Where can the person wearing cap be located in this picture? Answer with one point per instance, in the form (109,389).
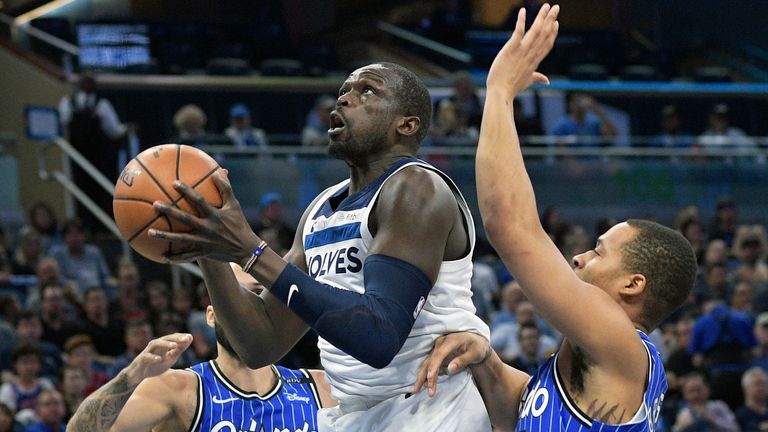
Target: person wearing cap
(721,344)
(315,132)
(241,132)
(272,224)
(720,134)
(79,351)
(671,135)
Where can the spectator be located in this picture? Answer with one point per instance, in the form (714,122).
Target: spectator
(50,410)
(677,365)
(715,284)
(159,300)
(129,303)
(721,343)
(505,337)
(272,226)
(760,352)
(529,358)
(74,381)
(29,328)
(100,325)
(315,132)
(753,415)
(42,220)
(79,261)
(699,413)
(28,253)
(525,126)
(585,124)
(724,224)
(719,134)
(466,100)
(485,287)
(7,422)
(671,135)
(48,273)
(190,122)
(94,129)
(451,125)
(511,296)
(22,392)
(57,327)
(741,300)
(750,248)
(240,130)
(138,333)
(79,352)
(692,230)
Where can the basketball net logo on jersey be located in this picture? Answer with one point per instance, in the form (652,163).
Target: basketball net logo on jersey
(227,426)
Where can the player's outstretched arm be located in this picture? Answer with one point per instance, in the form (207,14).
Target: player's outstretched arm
(136,399)
(508,206)
(501,386)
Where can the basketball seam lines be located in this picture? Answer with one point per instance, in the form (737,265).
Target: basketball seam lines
(119,198)
(178,158)
(152,176)
(173,202)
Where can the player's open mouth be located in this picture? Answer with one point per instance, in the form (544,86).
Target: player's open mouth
(337,124)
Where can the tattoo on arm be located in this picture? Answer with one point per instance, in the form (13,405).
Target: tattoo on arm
(100,410)
(605,414)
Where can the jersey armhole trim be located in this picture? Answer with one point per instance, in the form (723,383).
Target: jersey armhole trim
(313,386)
(582,417)
(200,403)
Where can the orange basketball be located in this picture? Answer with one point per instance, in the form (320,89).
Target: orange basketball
(148,178)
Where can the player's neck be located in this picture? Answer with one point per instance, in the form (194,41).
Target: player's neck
(260,380)
(362,174)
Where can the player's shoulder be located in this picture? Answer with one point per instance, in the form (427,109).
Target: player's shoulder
(417,181)
(173,382)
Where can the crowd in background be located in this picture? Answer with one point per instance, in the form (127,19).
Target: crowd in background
(59,335)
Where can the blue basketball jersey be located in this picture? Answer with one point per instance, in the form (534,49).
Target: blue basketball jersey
(546,405)
(291,405)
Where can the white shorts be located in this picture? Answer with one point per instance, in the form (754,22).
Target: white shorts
(457,406)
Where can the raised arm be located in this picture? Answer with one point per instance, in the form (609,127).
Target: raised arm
(136,399)
(508,206)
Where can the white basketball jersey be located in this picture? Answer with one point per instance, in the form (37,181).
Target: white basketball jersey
(336,243)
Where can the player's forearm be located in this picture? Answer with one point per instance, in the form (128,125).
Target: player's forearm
(242,314)
(500,387)
(505,193)
(99,411)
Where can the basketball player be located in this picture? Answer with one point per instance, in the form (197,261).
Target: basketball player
(380,266)
(219,395)
(607,375)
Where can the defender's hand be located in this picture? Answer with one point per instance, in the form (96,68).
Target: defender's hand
(221,234)
(514,68)
(453,352)
(159,355)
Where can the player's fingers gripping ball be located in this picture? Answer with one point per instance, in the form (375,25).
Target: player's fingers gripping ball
(148,178)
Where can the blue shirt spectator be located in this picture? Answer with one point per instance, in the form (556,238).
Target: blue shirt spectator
(80,262)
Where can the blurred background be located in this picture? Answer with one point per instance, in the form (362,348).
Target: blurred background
(657,109)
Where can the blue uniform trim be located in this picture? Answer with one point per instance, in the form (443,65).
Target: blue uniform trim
(332,235)
(362,197)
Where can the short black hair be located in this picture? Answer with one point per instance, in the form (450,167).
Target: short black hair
(413,98)
(26,348)
(667,261)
